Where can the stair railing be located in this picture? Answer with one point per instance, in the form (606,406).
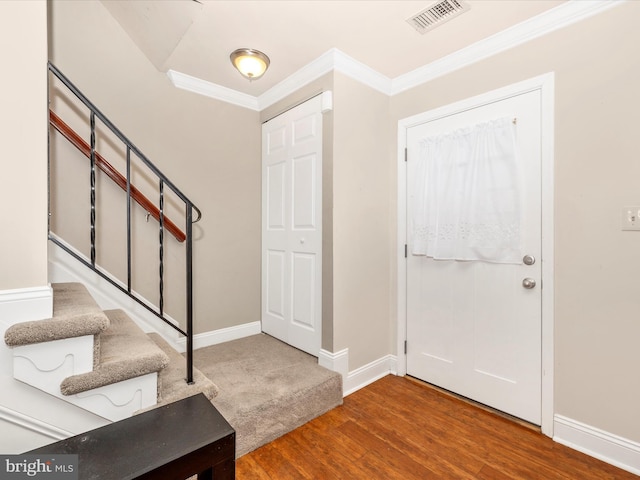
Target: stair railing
(96,160)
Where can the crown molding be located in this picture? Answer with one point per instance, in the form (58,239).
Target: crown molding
(555,19)
(559,17)
(331,60)
(307,74)
(350,67)
(208,89)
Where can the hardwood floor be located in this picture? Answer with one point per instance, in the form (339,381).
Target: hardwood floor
(398,429)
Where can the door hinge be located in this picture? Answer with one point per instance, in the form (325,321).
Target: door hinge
(405,154)
(405,250)
(405,347)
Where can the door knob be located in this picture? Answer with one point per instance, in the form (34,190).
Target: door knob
(528,283)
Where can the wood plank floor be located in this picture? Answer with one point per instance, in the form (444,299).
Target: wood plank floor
(398,429)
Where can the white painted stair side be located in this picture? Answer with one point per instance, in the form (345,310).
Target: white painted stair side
(46,365)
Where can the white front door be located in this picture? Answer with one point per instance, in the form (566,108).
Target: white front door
(472,327)
(292,226)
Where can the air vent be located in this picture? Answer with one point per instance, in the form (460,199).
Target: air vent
(437,14)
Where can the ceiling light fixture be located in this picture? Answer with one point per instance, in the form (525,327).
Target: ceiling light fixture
(249,62)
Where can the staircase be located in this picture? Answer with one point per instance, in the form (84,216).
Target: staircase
(81,320)
(100,361)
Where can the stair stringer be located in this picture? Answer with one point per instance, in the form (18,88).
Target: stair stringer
(29,417)
(64,268)
(45,365)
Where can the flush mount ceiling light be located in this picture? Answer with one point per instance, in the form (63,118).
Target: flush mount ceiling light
(249,62)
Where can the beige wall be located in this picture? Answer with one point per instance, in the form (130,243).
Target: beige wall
(209,149)
(23,141)
(597,167)
(356,239)
(361,235)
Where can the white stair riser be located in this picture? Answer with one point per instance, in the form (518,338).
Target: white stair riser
(119,400)
(46,365)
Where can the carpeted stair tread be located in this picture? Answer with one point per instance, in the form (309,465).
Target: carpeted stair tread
(267,388)
(75,314)
(171,380)
(126,352)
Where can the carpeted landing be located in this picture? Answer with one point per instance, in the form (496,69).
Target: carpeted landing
(266,387)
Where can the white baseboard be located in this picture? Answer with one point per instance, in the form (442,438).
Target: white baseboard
(367,374)
(64,268)
(335,361)
(25,304)
(605,446)
(222,335)
(360,377)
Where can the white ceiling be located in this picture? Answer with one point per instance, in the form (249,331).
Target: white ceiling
(196,38)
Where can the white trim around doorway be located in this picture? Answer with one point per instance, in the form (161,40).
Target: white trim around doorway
(544,83)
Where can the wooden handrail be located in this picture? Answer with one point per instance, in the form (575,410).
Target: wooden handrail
(68,133)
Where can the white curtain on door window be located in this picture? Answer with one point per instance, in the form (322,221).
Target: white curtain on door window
(467,202)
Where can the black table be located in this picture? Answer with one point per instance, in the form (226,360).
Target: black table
(175,441)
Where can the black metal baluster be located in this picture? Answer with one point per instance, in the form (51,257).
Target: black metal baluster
(129,219)
(48,157)
(161,234)
(93,189)
(94,112)
(189,281)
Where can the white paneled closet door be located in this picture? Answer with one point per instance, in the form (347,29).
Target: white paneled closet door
(292,226)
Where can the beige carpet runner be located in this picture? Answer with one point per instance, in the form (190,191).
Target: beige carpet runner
(263,387)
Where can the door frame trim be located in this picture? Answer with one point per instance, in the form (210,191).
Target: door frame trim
(546,85)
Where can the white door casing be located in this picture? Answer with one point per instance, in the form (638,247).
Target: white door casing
(292,226)
(542,88)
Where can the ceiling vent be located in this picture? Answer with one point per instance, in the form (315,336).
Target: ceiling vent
(437,14)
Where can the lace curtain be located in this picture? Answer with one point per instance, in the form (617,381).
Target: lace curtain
(466,203)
